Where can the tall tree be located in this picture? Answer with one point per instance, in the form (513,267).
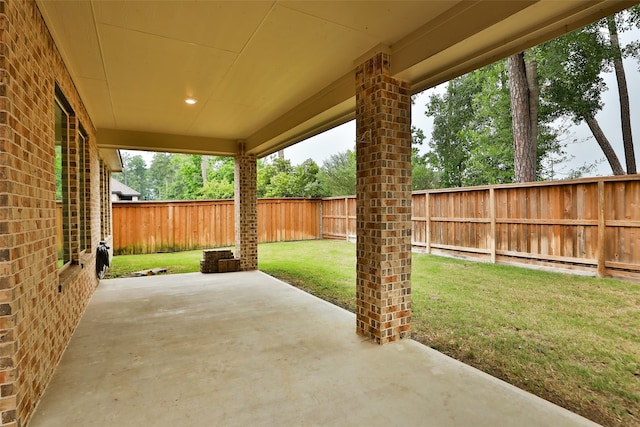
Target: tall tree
(491,158)
(573,67)
(531,68)
(161,174)
(450,143)
(204,162)
(623,95)
(338,173)
(521,114)
(472,137)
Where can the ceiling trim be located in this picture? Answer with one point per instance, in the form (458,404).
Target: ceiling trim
(469,19)
(338,97)
(529,36)
(159,142)
(330,119)
(111,157)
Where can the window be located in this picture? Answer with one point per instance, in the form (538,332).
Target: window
(84,187)
(62,183)
(73,202)
(105,202)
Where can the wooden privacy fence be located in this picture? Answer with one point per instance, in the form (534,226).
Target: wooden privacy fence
(148,227)
(590,225)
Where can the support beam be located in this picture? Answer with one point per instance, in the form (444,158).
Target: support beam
(117,139)
(383,153)
(246,211)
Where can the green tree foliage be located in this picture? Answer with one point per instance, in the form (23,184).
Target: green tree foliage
(338,174)
(450,144)
(180,177)
(134,174)
(423,176)
(187,183)
(470,143)
(307,182)
(279,178)
(267,181)
(220,178)
(472,138)
(570,69)
(161,174)
(632,20)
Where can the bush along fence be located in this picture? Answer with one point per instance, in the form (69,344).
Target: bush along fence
(589,225)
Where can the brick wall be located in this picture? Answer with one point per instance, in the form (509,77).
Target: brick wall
(246,210)
(40,304)
(383,207)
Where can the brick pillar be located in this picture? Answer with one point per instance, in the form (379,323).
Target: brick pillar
(383,153)
(246,216)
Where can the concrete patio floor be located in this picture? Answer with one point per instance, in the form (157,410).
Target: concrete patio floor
(245,349)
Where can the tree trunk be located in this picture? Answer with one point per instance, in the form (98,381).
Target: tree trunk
(524,148)
(203,168)
(603,142)
(531,68)
(623,93)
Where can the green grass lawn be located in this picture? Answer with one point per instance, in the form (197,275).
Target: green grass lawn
(573,340)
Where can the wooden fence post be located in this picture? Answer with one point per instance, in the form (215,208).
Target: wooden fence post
(492,217)
(346,218)
(321,220)
(427,209)
(602,258)
(171,238)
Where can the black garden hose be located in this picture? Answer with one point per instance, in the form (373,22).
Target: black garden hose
(102,259)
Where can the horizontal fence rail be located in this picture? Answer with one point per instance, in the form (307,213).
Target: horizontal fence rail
(588,225)
(148,227)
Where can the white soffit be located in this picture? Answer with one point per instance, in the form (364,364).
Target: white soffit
(274,73)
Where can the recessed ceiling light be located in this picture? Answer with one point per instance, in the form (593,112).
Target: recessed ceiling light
(190,101)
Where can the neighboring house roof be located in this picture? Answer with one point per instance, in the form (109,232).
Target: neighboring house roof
(122,190)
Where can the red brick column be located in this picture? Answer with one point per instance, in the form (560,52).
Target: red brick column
(246,210)
(383,152)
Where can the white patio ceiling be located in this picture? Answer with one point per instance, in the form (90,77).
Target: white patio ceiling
(272,73)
